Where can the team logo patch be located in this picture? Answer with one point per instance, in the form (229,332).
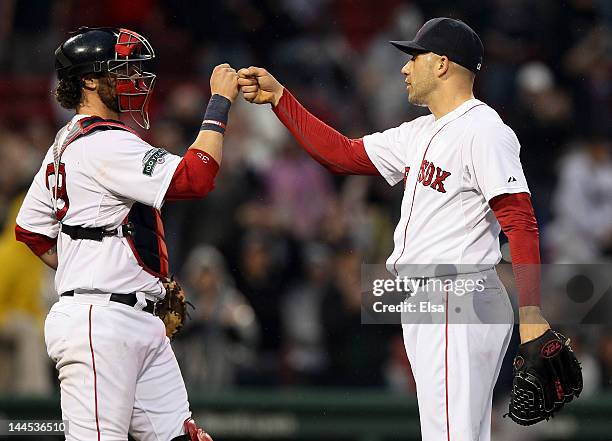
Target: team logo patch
(151,159)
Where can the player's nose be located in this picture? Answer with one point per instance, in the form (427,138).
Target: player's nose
(406,69)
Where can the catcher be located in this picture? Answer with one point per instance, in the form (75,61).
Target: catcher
(92,213)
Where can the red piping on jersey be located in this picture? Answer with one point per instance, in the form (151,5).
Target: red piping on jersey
(95,378)
(417,183)
(446,365)
(161,245)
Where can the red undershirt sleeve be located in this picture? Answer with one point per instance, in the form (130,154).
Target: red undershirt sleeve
(38,243)
(516,217)
(327,146)
(194,176)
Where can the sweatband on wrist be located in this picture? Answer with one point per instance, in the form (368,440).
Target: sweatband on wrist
(216,114)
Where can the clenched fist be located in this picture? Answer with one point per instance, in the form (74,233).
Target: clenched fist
(224,81)
(259,86)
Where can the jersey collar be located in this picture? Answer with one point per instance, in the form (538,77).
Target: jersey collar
(77,117)
(460,110)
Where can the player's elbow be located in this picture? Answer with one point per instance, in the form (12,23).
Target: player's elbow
(201,187)
(194,177)
(39,244)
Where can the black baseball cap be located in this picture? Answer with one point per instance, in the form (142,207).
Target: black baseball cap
(447,36)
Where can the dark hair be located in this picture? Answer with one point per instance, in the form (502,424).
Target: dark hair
(69,92)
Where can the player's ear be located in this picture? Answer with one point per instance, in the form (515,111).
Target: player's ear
(441,65)
(89,82)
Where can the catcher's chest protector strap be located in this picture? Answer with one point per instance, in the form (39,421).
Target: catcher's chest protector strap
(146,237)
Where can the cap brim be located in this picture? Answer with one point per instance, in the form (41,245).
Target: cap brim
(409,47)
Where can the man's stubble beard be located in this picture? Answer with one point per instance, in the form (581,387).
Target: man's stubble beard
(419,94)
(416,100)
(107,93)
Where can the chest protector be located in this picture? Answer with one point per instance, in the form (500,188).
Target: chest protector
(142,228)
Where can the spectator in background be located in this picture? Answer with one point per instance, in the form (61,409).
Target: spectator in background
(589,63)
(23,33)
(221,336)
(378,79)
(184,108)
(582,204)
(542,118)
(591,367)
(24,365)
(301,311)
(605,357)
(346,337)
(292,184)
(363,217)
(260,276)
(398,372)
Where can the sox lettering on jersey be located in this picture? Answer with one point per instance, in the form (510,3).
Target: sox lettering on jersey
(432,176)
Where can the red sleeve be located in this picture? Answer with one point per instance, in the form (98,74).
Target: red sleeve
(38,243)
(194,177)
(330,148)
(515,215)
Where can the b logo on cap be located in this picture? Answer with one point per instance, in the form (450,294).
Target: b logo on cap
(478,66)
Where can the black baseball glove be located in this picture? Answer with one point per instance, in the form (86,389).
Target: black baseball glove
(546,376)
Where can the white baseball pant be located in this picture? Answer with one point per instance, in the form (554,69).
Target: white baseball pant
(117,371)
(456,357)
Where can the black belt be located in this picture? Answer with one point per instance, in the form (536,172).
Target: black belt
(97,233)
(126,299)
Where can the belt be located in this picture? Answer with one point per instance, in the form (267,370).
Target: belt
(126,299)
(97,233)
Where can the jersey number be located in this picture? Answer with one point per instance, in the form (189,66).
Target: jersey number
(62,196)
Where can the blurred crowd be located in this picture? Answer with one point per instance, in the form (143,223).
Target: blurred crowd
(271,258)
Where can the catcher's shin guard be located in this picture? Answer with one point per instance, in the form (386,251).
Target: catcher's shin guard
(192,432)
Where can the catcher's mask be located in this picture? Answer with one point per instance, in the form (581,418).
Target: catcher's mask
(121,53)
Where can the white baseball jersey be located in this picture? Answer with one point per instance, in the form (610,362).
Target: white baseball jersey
(451,168)
(101,175)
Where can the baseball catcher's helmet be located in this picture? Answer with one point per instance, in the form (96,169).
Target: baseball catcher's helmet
(119,52)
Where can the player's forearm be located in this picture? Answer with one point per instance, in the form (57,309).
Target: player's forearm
(336,152)
(515,214)
(195,175)
(210,138)
(516,217)
(50,258)
(210,143)
(45,248)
